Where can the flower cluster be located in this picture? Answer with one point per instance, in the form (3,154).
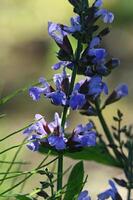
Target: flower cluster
(84,92)
(89,60)
(92,61)
(52,135)
(109,193)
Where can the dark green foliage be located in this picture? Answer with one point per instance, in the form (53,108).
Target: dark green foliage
(23,197)
(120,182)
(75,181)
(98,154)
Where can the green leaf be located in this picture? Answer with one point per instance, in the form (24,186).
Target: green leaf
(97,154)
(23,197)
(75,181)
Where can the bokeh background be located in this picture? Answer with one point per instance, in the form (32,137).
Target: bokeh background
(27,52)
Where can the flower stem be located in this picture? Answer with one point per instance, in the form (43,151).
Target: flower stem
(103,123)
(74,73)
(60,172)
(64,116)
(130,170)
(129,194)
(107,132)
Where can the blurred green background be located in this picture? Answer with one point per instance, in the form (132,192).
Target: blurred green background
(27,52)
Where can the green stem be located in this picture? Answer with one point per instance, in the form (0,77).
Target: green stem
(13,160)
(130,171)
(40,166)
(74,73)
(63,121)
(107,131)
(129,194)
(64,116)
(12,134)
(60,172)
(103,123)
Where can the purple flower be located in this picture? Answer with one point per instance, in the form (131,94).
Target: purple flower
(57,141)
(77,100)
(80,128)
(119,92)
(51,133)
(89,72)
(59,79)
(60,64)
(102,69)
(30,129)
(75,25)
(36,92)
(33,143)
(57,97)
(84,196)
(56,124)
(115,62)
(56,32)
(37,127)
(110,193)
(91,111)
(98,53)
(99,60)
(95,42)
(84,136)
(100,66)
(91,88)
(43,127)
(96,87)
(107,16)
(98,3)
